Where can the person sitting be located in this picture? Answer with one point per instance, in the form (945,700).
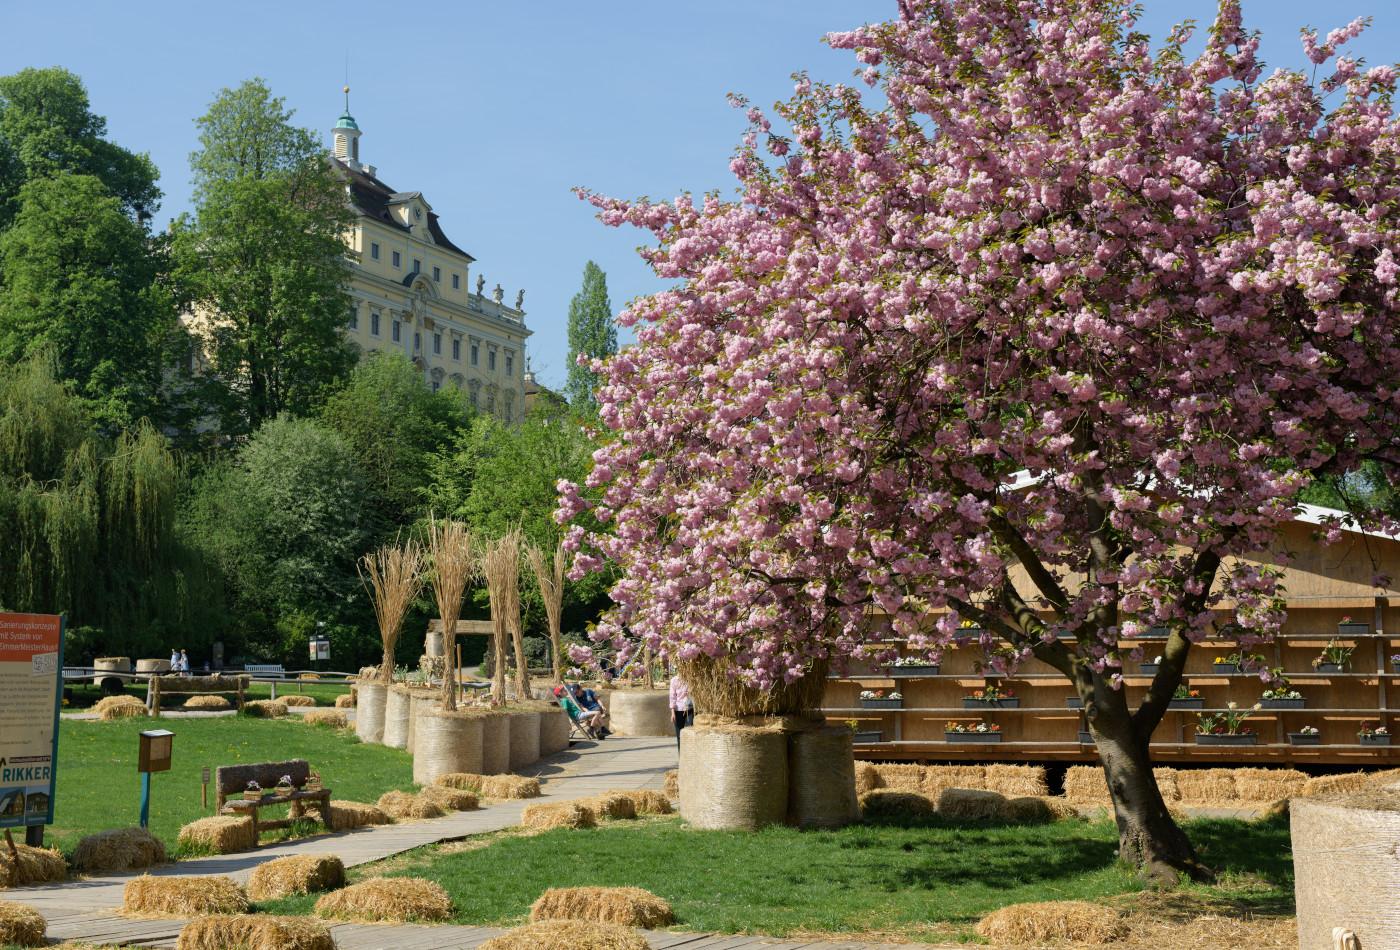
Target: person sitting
(588,700)
(591,721)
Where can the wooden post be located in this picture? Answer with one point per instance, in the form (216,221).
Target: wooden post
(153,692)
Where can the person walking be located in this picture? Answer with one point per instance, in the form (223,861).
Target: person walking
(682,709)
(174,660)
(184,663)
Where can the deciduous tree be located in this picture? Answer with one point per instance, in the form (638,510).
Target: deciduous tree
(592,336)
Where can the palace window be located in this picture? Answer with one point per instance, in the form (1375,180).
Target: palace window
(417,265)
(354,316)
(457,350)
(437,274)
(436,385)
(510,364)
(374,250)
(374,323)
(456,281)
(476,348)
(417,341)
(491,361)
(396,335)
(398,261)
(437,344)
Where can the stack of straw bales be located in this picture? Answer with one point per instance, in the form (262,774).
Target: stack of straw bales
(406,805)
(330,718)
(631,906)
(568,935)
(220,834)
(208,702)
(121,849)
(22,927)
(254,932)
(296,874)
(388,899)
(148,896)
(119,707)
(1079,923)
(35,866)
(266,708)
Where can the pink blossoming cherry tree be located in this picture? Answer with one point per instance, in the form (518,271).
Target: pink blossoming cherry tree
(1039,341)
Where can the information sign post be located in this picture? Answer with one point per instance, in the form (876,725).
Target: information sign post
(31,691)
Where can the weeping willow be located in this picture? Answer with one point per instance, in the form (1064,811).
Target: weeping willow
(89,522)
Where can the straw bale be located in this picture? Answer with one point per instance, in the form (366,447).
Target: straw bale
(1167,784)
(147,896)
(1016,781)
(889,804)
(124,706)
(735,778)
(509,786)
(208,702)
(568,935)
(296,874)
(345,815)
(1278,809)
(21,926)
(296,699)
(220,834)
(214,683)
(401,805)
(673,784)
(544,816)
(867,778)
(1323,786)
(1268,785)
(971,804)
(35,866)
(937,778)
(121,849)
(467,781)
(330,718)
(611,806)
(1085,784)
(450,799)
(393,899)
(345,701)
(646,801)
(266,708)
(631,906)
(309,677)
(1083,922)
(1206,785)
(900,778)
(254,932)
(1037,810)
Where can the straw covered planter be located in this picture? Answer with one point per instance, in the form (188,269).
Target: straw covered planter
(631,906)
(22,927)
(569,935)
(148,896)
(254,932)
(397,703)
(446,742)
(392,899)
(35,866)
(1344,866)
(639,712)
(369,710)
(524,738)
(821,778)
(736,773)
(554,731)
(420,701)
(121,849)
(296,874)
(495,741)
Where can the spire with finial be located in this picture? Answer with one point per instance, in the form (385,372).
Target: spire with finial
(347,135)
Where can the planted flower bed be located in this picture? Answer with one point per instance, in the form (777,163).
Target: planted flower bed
(1186,698)
(1308,735)
(978,732)
(1282,697)
(881,699)
(912,666)
(992,696)
(1373,735)
(1225,728)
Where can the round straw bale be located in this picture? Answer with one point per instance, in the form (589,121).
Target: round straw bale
(673,784)
(495,743)
(971,804)
(1344,866)
(735,778)
(645,801)
(821,778)
(1084,923)
(419,702)
(406,805)
(208,702)
(603,905)
(568,935)
(467,781)
(554,731)
(330,718)
(1015,781)
(219,834)
(296,874)
(265,709)
(345,815)
(509,786)
(611,806)
(369,711)
(886,805)
(393,899)
(451,799)
(867,778)
(147,896)
(396,708)
(1268,785)
(446,742)
(35,866)
(124,706)
(345,701)
(20,926)
(639,712)
(297,699)
(524,738)
(544,816)
(254,932)
(900,777)
(121,849)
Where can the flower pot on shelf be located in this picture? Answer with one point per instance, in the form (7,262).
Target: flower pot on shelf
(1394,667)
(1330,668)
(1283,703)
(881,703)
(972,736)
(1012,703)
(904,672)
(1148,668)
(1157,632)
(1187,704)
(1353,629)
(865,738)
(1374,740)
(1304,738)
(1086,738)
(1226,739)
(1074,702)
(1224,669)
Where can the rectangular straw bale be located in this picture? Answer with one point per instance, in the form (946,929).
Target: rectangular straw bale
(265,709)
(466,781)
(509,786)
(1206,785)
(1085,784)
(329,718)
(220,834)
(867,777)
(147,896)
(936,778)
(548,815)
(1167,784)
(120,849)
(1016,781)
(901,778)
(452,799)
(673,784)
(124,706)
(297,699)
(1268,785)
(345,701)
(254,932)
(611,806)
(345,815)
(1344,783)
(971,804)
(406,805)
(296,874)
(35,866)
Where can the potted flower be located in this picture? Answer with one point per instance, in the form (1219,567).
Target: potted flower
(969,628)
(1373,734)
(978,732)
(881,699)
(992,696)
(313,782)
(1350,628)
(1333,658)
(1224,664)
(1395,663)
(913,666)
(861,736)
(1186,698)
(1282,697)
(1150,668)
(1308,735)
(1225,728)
(285,786)
(252,792)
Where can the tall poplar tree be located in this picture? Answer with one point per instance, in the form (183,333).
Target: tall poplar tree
(261,262)
(591,333)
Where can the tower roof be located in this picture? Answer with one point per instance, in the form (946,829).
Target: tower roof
(346,121)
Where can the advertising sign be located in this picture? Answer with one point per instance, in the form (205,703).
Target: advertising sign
(31,689)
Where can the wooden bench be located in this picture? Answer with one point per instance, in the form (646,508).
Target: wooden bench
(176,685)
(232,780)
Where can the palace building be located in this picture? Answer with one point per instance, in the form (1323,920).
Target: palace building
(411,291)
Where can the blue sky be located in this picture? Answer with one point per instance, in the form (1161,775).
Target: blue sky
(495,110)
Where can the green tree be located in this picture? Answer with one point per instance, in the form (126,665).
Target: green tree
(47,128)
(80,281)
(591,333)
(261,263)
(284,519)
(395,423)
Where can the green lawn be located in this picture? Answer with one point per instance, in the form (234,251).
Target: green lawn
(99,787)
(930,881)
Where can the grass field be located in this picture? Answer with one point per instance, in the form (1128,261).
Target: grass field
(99,787)
(931,881)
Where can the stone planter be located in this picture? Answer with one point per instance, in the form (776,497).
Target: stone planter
(1304,738)
(821,778)
(554,732)
(983,737)
(396,710)
(524,739)
(867,737)
(1283,703)
(1149,668)
(639,712)
(1373,740)
(1074,702)
(1331,668)
(1226,739)
(882,704)
(446,742)
(1353,629)
(1187,704)
(370,699)
(908,672)
(1012,703)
